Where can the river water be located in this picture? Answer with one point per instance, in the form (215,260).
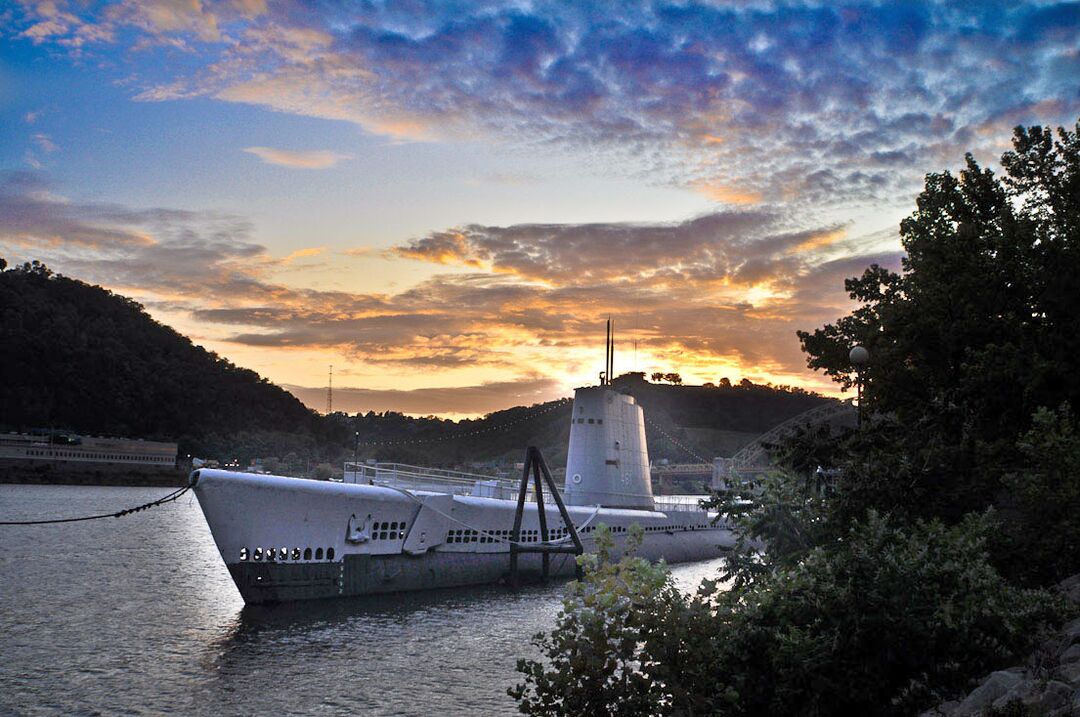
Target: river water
(138,615)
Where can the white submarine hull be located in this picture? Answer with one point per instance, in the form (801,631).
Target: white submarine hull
(289,539)
(295,539)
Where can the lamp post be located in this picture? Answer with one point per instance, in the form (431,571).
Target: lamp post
(355,448)
(859,357)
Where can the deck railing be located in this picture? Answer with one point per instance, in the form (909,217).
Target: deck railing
(438,480)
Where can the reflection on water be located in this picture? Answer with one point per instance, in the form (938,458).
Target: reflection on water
(138,614)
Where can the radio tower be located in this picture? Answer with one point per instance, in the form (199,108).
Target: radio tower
(330,392)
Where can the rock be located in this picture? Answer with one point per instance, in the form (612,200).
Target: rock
(1041,698)
(1070,672)
(1071,631)
(1070,586)
(997,685)
(1070,655)
(947,708)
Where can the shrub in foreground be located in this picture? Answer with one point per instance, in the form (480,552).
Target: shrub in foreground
(886,620)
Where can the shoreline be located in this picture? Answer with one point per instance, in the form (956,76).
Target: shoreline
(51,475)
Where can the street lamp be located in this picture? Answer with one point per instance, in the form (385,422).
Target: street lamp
(356,447)
(859,357)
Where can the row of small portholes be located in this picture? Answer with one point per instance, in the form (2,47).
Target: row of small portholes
(284,554)
(658,528)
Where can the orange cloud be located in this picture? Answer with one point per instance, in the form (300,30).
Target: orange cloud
(293,159)
(726,194)
(301,253)
(819,240)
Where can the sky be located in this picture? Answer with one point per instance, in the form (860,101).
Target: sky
(445,201)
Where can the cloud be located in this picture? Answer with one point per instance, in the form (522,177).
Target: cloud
(745,102)
(713,248)
(311,159)
(303,254)
(719,294)
(44,142)
(727,195)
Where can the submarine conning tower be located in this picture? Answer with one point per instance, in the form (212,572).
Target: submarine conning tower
(608,460)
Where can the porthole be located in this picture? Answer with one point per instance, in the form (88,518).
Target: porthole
(270,553)
(296,553)
(318,553)
(257,555)
(243,554)
(576,478)
(283,554)
(329,553)
(307,553)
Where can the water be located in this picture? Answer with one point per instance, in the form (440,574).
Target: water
(138,615)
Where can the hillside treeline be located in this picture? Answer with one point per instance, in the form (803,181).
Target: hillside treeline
(81,358)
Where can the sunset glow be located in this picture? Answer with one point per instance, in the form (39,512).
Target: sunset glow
(447,201)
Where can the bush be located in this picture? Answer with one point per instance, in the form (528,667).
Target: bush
(1043,501)
(887,620)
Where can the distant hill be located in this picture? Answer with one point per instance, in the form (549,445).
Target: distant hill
(79,357)
(684,424)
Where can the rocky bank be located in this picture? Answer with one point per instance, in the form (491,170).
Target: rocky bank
(1047,685)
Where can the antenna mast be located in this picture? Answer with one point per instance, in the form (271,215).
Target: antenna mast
(330,392)
(609,354)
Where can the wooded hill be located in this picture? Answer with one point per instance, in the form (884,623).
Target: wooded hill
(80,358)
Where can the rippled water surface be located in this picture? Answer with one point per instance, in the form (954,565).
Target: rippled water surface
(138,615)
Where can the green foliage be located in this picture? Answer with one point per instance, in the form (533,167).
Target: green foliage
(777,519)
(1044,500)
(975,335)
(885,621)
(595,652)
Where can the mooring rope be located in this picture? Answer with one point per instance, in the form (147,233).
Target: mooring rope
(126,511)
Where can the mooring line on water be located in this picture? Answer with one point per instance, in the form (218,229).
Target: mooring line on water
(126,511)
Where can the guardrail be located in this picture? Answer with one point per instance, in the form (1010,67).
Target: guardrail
(438,480)
(401,475)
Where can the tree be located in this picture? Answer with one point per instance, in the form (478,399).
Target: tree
(876,592)
(973,336)
(657,376)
